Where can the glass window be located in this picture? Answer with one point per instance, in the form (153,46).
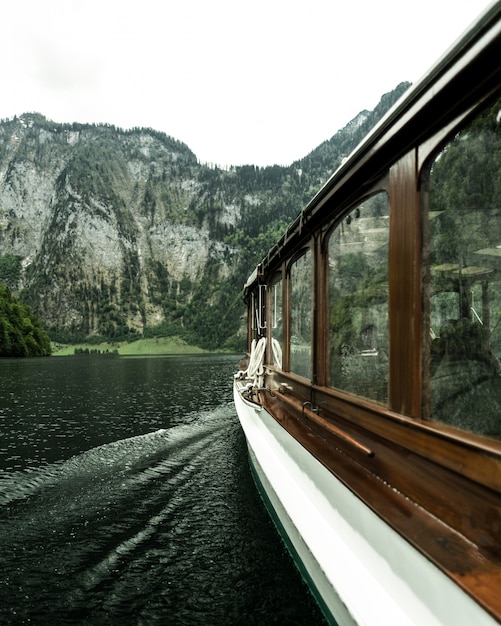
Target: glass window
(301,294)
(358,295)
(276,322)
(253,318)
(462,278)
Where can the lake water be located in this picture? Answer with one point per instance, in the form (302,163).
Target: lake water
(126,498)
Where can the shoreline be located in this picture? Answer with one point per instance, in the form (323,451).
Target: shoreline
(150,346)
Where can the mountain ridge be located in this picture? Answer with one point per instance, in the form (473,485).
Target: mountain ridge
(123,233)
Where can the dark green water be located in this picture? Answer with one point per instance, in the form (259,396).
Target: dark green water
(126,498)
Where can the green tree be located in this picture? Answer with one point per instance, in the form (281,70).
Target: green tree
(10,269)
(20,331)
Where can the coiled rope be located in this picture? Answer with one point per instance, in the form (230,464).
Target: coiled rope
(255,369)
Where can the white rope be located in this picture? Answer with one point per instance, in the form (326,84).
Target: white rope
(255,369)
(277,352)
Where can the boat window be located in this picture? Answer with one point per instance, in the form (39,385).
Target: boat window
(461,195)
(301,281)
(276,322)
(358,297)
(252,318)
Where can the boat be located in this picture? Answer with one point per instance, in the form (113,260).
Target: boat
(370,395)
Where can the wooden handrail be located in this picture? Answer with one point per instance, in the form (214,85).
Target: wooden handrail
(325,424)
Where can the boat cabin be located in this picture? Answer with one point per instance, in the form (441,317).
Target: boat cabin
(378,316)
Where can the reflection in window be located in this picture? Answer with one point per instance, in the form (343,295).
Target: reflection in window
(301,279)
(462,288)
(358,292)
(276,322)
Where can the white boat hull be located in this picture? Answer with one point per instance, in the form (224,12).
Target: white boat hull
(358,567)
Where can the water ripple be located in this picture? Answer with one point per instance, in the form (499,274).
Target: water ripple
(163,527)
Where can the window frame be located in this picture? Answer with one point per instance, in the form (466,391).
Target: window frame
(427,153)
(278,276)
(306,248)
(380,188)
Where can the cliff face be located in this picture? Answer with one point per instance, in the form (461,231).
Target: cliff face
(107,224)
(118,233)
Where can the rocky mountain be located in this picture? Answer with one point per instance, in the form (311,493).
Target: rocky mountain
(119,234)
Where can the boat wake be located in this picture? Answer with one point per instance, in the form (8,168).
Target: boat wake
(115,529)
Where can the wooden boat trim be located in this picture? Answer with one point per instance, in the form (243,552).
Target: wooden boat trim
(369,469)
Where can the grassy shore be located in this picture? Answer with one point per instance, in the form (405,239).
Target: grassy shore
(159,345)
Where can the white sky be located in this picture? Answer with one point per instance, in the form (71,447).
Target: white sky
(239,82)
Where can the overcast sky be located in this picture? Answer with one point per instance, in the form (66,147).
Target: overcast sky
(239,82)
